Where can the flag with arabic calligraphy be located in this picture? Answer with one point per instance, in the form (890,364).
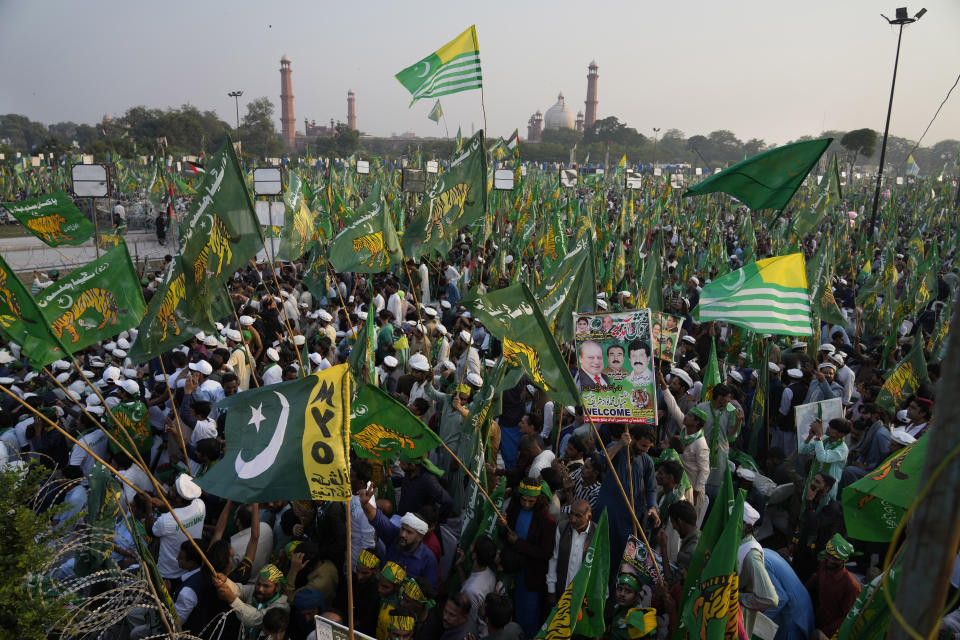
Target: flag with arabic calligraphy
(53,218)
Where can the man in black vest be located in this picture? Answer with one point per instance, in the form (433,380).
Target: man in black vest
(573,540)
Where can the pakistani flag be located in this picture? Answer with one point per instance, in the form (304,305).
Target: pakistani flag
(52,218)
(905,378)
(381,427)
(513,315)
(94,302)
(452,68)
(579,609)
(457,199)
(286,442)
(369,242)
(767,180)
(767,296)
(436,113)
(21,321)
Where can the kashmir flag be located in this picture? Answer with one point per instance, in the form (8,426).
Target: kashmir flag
(298,229)
(452,68)
(287,441)
(826,198)
(513,316)
(712,609)
(579,609)
(905,379)
(457,199)
(94,302)
(52,218)
(21,321)
(767,296)
(381,427)
(436,113)
(913,169)
(767,180)
(369,243)
(170,319)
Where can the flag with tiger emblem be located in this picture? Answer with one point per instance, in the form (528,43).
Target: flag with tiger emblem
(94,302)
(219,234)
(571,288)
(369,242)
(53,218)
(513,316)
(21,321)
(298,229)
(382,428)
(457,199)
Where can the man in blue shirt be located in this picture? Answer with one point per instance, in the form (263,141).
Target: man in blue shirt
(403,542)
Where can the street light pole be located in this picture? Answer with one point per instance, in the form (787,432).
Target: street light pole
(236,101)
(656,131)
(902,18)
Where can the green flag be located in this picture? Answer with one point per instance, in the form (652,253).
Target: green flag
(298,231)
(827,197)
(579,609)
(286,442)
(650,295)
(53,218)
(436,113)
(711,375)
(822,303)
(905,378)
(369,243)
(136,423)
(869,617)
(513,315)
(21,321)
(364,347)
(381,427)
(457,199)
(452,68)
(767,180)
(103,507)
(552,245)
(94,302)
(711,611)
(569,289)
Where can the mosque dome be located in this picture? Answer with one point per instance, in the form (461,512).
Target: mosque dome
(558,116)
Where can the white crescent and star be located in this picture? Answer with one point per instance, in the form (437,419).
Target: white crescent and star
(737,284)
(426,71)
(247,469)
(68,297)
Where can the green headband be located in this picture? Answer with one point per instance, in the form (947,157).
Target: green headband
(393,572)
(413,590)
(530,490)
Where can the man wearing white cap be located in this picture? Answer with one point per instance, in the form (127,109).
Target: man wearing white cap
(785,435)
(190,510)
(240,359)
(272,372)
(468,357)
(326,326)
(252,335)
(440,349)
(823,387)
(757,592)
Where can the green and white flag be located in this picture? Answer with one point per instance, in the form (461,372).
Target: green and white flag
(452,68)
(94,302)
(436,113)
(767,296)
(369,242)
(381,427)
(52,218)
(21,321)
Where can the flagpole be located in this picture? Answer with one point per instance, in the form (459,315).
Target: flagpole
(176,414)
(283,308)
(474,478)
(345,394)
(483,107)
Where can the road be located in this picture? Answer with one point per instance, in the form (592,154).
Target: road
(26,254)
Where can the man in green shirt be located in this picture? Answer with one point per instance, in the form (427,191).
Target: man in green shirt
(830,454)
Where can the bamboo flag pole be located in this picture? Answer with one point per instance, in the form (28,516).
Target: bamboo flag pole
(472,477)
(176,414)
(282,309)
(345,394)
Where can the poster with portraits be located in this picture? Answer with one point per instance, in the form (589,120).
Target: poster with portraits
(615,366)
(664,335)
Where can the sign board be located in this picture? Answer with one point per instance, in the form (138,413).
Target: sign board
(414,180)
(634,180)
(330,630)
(676,180)
(267,181)
(90,180)
(805,414)
(363,167)
(523,170)
(568,178)
(699,171)
(717,170)
(616,367)
(269,214)
(433,166)
(503,180)
(657,171)
(899,179)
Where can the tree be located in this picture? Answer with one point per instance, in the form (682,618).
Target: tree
(860,141)
(21,133)
(611,131)
(564,137)
(347,140)
(257,131)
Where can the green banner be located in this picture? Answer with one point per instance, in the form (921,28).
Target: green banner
(381,428)
(52,218)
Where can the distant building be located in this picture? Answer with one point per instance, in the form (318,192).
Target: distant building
(287,120)
(593,77)
(535,127)
(558,116)
(351,110)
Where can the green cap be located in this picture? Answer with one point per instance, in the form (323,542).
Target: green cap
(839,548)
(700,413)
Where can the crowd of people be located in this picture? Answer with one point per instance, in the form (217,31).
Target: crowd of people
(267,569)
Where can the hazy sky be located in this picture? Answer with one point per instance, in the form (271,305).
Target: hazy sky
(768,69)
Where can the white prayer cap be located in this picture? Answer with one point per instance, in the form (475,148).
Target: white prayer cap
(6,356)
(130,373)
(474,380)
(736,376)
(742,354)
(689,339)
(531,389)
(489,363)
(93,400)
(273,354)
(211,341)
(246,321)
(111,374)
(187,488)
(750,515)
(694,280)
(902,416)
(442,330)
(430,312)
(299,340)
(123,344)
(900,436)
(448,365)
(61,365)
(233,334)
(63,377)
(315,358)
(119,353)
(324,315)
(362,315)
(693,365)
(130,387)
(390,361)
(829,348)
(774,367)
(219,326)
(465,336)
(203,367)
(7,380)
(828,365)
(683,375)
(74,395)
(445,304)
(601,304)
(159,377)
(508,260)
(746,474)
(419,362)
(795,373)
(110,346)
(411,520)
(96,410)
(799,344)
(570,409)
(601,295)
(201,336)
(467,315)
